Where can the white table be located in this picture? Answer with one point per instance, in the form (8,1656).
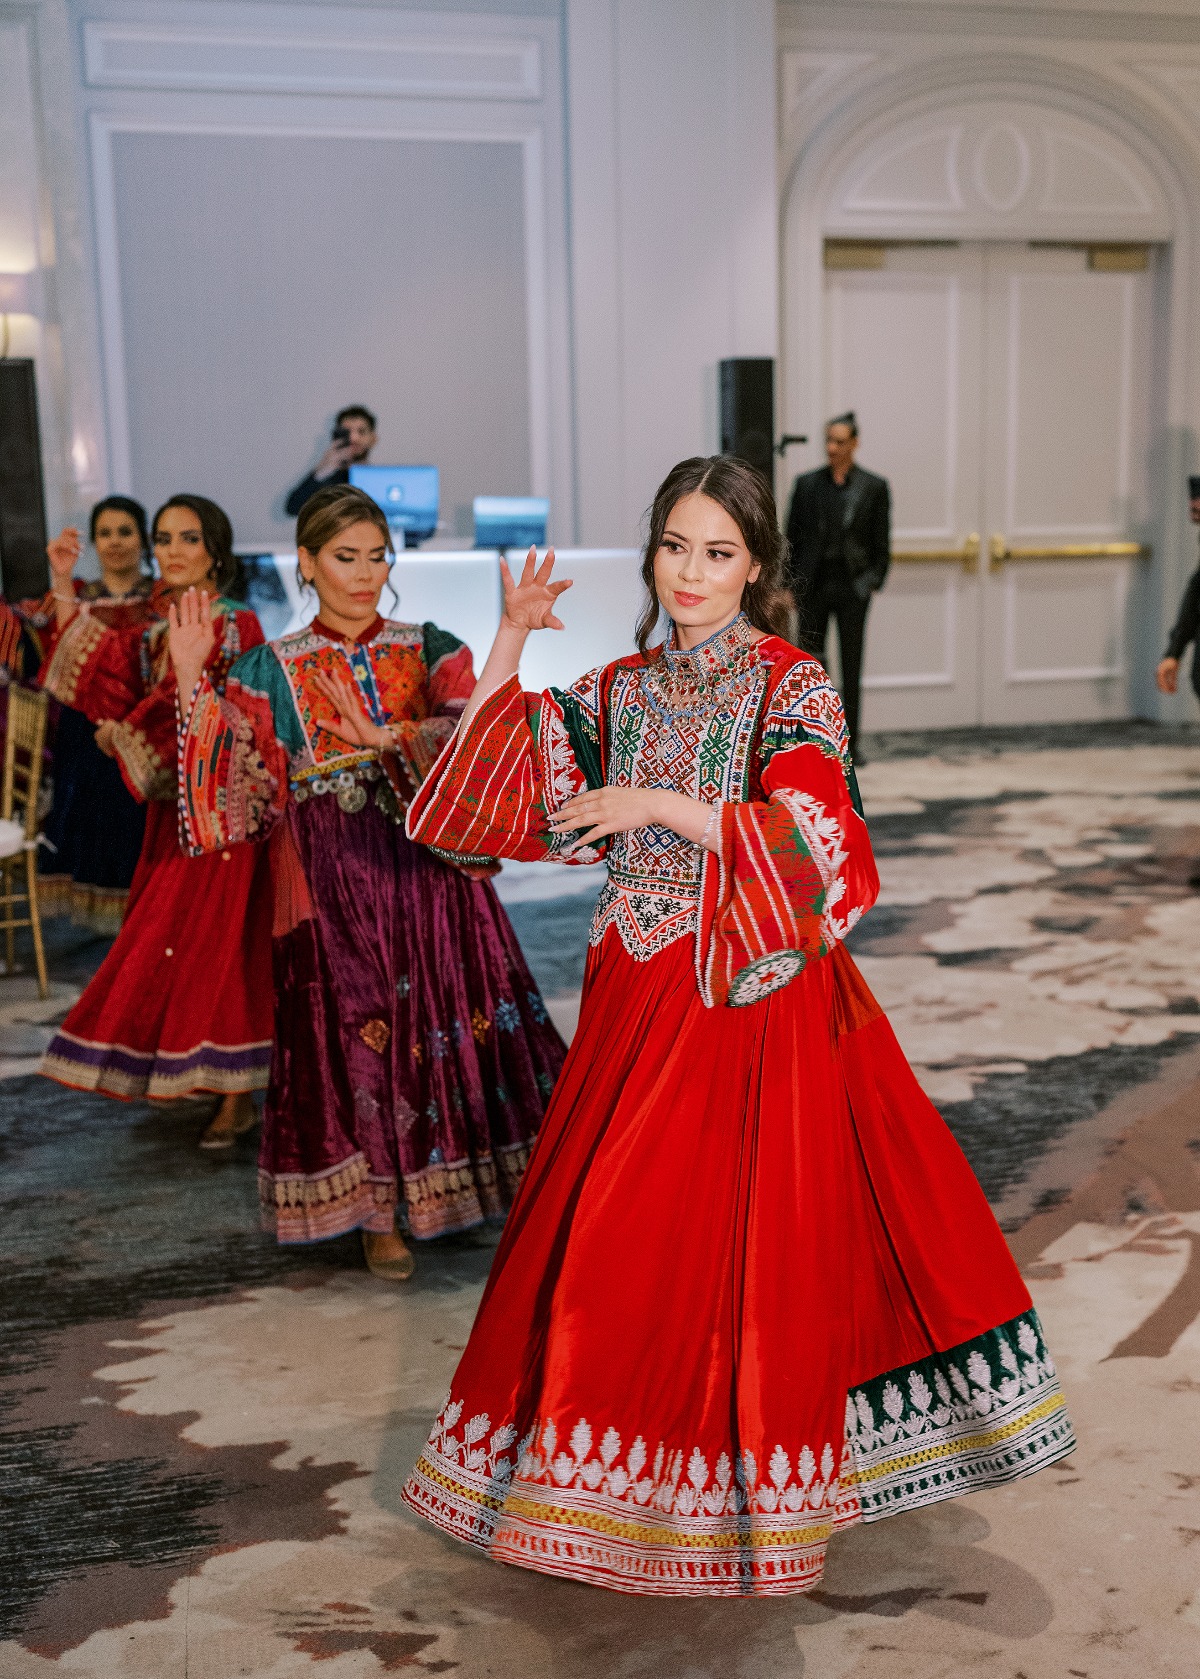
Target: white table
(460,591)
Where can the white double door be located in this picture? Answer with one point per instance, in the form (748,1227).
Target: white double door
(1004,392)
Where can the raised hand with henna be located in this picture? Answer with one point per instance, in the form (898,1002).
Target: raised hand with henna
(190,639)
(351,725)
(63,554)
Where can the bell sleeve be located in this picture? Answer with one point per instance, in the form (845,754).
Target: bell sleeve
(94,667)
(419,741)
(145,742)
(233,765)
(795,871)
(496,784)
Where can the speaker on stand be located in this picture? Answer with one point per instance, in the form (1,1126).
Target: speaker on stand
(23,567)
(748,411)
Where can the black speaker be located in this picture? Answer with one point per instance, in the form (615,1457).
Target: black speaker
(748,411)
(23,567)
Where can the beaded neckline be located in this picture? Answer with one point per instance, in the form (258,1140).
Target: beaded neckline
(687,683)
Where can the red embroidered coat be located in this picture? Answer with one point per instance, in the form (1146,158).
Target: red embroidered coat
(122,672)
(753,726)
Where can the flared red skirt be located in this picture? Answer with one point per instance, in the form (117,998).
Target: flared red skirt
(750,1290)
(181,1005)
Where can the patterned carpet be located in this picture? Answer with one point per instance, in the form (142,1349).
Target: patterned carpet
(202,1439)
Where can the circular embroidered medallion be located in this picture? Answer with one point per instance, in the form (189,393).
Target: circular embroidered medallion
(764,975)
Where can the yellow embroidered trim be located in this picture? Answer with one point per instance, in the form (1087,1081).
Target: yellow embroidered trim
(675,1538)
(967,1443)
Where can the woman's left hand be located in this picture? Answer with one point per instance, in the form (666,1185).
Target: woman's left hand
(351,725)
(104,737)
(609,810)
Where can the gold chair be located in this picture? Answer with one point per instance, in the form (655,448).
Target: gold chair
(24,749)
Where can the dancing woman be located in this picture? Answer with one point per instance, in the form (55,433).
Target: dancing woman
(750,1290)
(181,1006)
(413,1053)
(95,825)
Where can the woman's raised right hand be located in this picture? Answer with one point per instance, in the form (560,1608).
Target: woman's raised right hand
(190,639)
(529,602)
(63,553)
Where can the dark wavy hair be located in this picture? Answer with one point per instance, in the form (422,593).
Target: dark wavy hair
(218,538)
(132,509)
(748,499)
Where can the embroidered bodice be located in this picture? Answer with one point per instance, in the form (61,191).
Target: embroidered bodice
(264,740)
(686,722)
(743,722)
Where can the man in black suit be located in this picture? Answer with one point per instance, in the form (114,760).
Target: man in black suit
(352,441)
(1187,630)
(839,529)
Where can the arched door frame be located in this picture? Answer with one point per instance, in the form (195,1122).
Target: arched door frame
(885,101)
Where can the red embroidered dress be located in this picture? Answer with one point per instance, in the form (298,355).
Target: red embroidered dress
(95,826)
(182,1003)
(413,1053)
(750,1290)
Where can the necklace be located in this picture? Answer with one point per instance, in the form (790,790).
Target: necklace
(684,685)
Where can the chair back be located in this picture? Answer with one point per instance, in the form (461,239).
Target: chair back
(24,749)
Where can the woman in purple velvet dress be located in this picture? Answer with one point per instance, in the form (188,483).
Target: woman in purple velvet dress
(413,1053)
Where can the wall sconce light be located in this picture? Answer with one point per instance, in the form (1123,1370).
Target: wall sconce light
(16,298)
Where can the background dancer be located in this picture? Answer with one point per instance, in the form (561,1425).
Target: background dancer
(181,1006)
(95,824)
(750,1290)
(413,1052)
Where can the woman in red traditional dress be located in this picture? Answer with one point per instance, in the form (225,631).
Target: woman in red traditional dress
(94,827)
(181,1006)
(413,1053)
(750,1290)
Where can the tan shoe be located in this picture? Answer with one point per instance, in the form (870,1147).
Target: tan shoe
(392,1266)
(229,1125)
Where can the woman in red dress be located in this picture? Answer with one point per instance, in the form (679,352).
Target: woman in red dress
(750,1290)
(181,1006)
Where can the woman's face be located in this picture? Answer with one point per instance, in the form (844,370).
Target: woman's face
(702,567)
(118,544)
(179,548)
(348,574)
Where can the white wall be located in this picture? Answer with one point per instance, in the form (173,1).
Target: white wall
(252,212)
(673,233)
(265,280)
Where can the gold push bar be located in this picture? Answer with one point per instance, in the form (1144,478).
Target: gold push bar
(967,556)
(999,552)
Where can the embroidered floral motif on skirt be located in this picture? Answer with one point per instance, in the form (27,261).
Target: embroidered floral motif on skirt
(413,1054)
(749,1292)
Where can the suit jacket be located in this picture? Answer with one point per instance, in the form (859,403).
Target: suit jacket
(1187,629)
(308,486)
(867,525)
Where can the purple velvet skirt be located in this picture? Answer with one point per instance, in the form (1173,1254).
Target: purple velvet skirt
(413,1053)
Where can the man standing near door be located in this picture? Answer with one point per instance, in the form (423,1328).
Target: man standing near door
(1186,630)
(839,529)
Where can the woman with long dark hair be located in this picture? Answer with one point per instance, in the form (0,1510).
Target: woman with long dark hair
(750,1290)
(413,1053)
(181,1006)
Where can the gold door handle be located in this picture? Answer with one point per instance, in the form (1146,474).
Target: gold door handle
(967,556)
(999,552)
